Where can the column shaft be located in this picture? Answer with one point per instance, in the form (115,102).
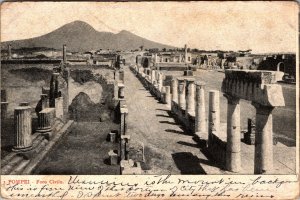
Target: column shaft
(233,146)
(200,120)
(263,162)
(190,97)
(181,96)
(168,96)
(23,129)
(174,85)
(213,115)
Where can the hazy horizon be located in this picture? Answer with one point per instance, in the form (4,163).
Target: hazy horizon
(261,26)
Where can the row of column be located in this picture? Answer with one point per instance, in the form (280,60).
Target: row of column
(183,94)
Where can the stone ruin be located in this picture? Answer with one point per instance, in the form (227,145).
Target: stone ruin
(185,98)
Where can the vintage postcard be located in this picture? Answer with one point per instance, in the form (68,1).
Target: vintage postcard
(150,100)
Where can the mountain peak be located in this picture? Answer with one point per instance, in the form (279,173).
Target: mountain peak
(80,36)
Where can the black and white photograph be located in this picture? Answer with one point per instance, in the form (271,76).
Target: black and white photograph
(149,88)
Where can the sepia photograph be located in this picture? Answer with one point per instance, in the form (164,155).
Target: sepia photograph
(160,89)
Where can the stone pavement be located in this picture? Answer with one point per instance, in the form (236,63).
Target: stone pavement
(168,148)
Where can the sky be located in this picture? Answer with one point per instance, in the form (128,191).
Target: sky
(266,26)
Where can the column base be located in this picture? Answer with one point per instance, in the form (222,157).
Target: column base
(233,162)
(22,150)
(44,129)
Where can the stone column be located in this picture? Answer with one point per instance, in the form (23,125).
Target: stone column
(23,129)
(200,120)
(9,52)
(123,125)
(160,81)
(53,89)
(233,146)
(174,85)
(4,104)
(152,76)
(45,121)
(185,53)
(168,97)
(121,76)
(263,161)
(213,115)
(181,91)
(64,53)
(117,75)
(121,93)
(190,97)
(124,147)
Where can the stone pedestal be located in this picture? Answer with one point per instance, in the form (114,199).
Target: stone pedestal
(23,129)
(190,96)
(263,161)
(174,85)
(168,97)
(112,136)
(213,114)
(181,91)
(113,157)
(233,146)
(121,92)
(200,120)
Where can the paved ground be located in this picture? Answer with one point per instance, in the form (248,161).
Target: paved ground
(170,149)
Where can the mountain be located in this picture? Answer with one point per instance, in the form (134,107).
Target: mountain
(80,36)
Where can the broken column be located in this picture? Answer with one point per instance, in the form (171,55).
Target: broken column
(168,96)
(263,140)
(53,89)
(45,121)
(233,146)
(174,85)
(181,91)
(190,96)
(213,115)
(200,120)
(64,53)
(23,129)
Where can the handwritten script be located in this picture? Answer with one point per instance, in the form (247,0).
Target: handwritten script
(155,186)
